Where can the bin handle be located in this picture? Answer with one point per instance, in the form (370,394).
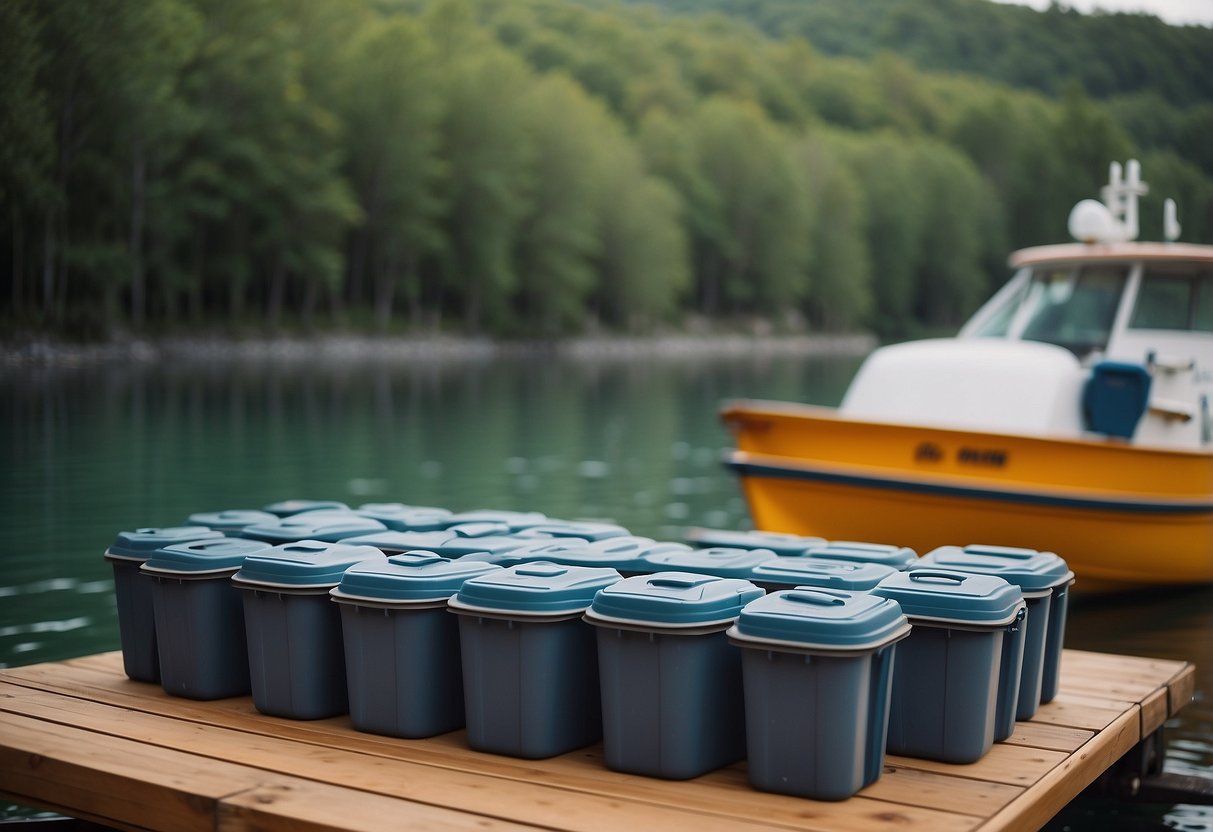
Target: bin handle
(928,575)
(814,596)
(672,582)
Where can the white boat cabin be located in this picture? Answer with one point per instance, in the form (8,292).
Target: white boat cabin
(1103,338)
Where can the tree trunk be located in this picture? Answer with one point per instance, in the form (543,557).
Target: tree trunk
(138,182)
(277,291)
(385,292)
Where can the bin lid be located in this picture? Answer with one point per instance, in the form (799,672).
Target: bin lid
(625,554)
(479,528)
(722,561)
(584,530)
(533,589)
(898,557)
(285,508)
(330,526)
(139,544)
(820,572)
(563,550)
(408,578)
(951,596)
(826,619)
(514,519)
(303,564)
(231,520)
(393,542)
(405,518)
(457,547)
(1029,569)
(223,554)
(672,599)
(781,543)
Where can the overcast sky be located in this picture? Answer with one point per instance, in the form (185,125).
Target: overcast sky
(1173,11)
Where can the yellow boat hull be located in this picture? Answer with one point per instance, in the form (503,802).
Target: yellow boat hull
(1119,514)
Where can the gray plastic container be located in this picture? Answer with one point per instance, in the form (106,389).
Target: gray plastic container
(583,530)
(721,561)
(513,520)
(1042,577)
(230,521)
(781,543)
(405,518)
(957,682)
(133,593)
(286,508)
(295,650)
(200,617)
(402,659)
(530,663)
(671,682)
(326,526)
(790,572)
(818,666)
(898,557)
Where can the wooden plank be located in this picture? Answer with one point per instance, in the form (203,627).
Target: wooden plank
(1180,689)
(1153,712)
(304,806)
(948,792)
(1032,810)
(1078,662)
(1011,765)
(74,771)
(1053,737)
(722,800)
(1073,712)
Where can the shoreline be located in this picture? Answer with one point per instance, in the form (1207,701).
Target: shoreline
(49,352)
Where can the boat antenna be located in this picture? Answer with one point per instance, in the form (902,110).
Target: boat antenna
(1115,219)
(1170,221)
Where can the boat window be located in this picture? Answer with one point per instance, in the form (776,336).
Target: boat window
(999,322)
(1174,300)
(1074,308)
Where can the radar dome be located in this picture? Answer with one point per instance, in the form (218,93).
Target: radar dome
(1092,222)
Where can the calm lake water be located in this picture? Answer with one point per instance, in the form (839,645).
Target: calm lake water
(91,451)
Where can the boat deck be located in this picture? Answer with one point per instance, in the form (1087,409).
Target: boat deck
(79,738)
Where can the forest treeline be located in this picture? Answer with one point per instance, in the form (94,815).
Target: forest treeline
(529,168)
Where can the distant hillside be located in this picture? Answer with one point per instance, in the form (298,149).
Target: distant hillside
(1110,54)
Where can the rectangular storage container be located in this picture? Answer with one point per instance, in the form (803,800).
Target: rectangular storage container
(721,561)
(671,682)
(818,668)
(898,557)
(791,572)
(781,543)
(133,593)
(200,617)
(1044,579)
(402,659)
(530,663)
(295,650)
(957,683)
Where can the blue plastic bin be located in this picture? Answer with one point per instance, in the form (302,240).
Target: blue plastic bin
(1044,579)
(405,518)
(818,666)
(133,593)
(898,557)
(200,617)
(582,530)
(402,657)
(671,682)
(295,649)
(781,543)
(286,508)
(230,521)
(721,561)
(957,682)
(513,520)
(327,526)
(530,663)
(790,572)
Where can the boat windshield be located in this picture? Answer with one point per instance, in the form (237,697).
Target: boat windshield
(1174,298)
(1073,307)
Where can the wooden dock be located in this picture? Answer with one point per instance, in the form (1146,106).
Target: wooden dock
(79,738)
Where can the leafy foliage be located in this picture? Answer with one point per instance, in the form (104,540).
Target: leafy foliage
(542,166)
